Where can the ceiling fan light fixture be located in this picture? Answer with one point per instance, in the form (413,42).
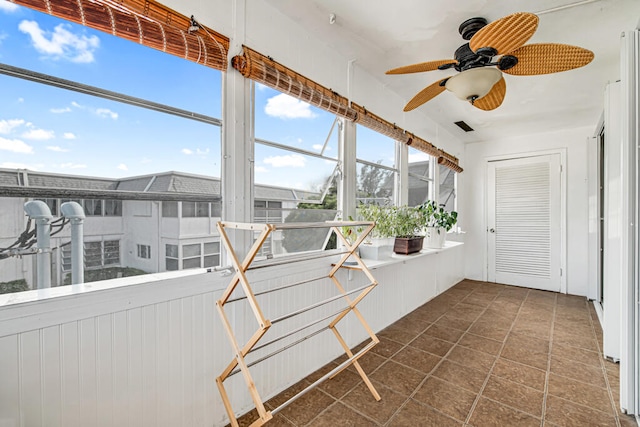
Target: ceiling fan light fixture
(474,83)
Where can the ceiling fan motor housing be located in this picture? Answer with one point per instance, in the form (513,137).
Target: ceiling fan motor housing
(471,26)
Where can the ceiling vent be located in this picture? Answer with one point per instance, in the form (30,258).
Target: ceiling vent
(462,125)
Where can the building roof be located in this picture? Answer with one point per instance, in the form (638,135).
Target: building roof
(170,182)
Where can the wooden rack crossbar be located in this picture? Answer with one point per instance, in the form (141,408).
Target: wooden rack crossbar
(240,281)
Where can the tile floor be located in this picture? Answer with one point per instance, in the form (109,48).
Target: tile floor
(478,355)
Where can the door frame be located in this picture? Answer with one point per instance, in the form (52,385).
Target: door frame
(563,207)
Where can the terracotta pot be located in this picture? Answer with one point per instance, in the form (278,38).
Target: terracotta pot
(408,245)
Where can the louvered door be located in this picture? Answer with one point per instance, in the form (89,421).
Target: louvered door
(524,222)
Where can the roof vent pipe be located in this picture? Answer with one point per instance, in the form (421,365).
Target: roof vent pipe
(74,212)
(40,212)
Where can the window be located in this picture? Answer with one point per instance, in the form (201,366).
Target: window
(420,177)
(211,254)
(93,207)
(113,208)
(171,257)
(99,254)
(447,188)
(92,254)
(170,209)
(198,255)
(191,256)
(65,249)
(195,209)
(144,251)
(296,159)
(376,167)
(98,143)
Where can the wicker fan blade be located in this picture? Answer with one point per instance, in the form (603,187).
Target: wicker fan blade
(494,98)
(423,66)
(546,58)
(506,34)
(424,95)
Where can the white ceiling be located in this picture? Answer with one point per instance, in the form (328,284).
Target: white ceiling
(381,34)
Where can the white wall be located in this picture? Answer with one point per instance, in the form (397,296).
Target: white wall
(473,215)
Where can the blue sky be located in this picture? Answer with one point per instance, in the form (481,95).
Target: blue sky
(49,129)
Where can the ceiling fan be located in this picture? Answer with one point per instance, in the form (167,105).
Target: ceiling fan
(493,49)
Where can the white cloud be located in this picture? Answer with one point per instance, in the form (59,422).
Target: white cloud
(291,160)
(187,151)
(317,147)
(418,157)
(123,167)
(15,146)
(75,104)
(260,87)
(7,126)
(200,152)
(72,166)
(20,100)
(60,110)
(6,6)
(106,113)
(286,107)
(57,149)
(61,43)
(39,134)
(261,169)
(69,135)
(146,160)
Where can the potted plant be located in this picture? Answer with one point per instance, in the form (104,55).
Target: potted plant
(407,224)
(437,222)
(379,243)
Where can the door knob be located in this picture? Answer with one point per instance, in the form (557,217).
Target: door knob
(491,230)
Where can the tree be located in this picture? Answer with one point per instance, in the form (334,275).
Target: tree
(374,182)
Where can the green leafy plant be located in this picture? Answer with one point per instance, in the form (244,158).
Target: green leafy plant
(436,216)
(383,216)
(407,221)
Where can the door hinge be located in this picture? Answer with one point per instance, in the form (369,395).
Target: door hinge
(560,272)
(560,168)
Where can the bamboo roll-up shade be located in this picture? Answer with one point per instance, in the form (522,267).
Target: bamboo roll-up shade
(448,163)
(378,124)
(146,22)
(422,145)
(264,70)
(448,156)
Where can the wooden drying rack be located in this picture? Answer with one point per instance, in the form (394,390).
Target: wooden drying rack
(361,229)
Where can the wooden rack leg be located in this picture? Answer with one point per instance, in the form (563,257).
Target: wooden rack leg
(364,376)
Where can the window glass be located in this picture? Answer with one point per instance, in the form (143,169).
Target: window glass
(144,251)
(447,188)
(113,208)
(63,139)
(295,167)
(93,207)
(92,254)
(172,251)
(170,209)
(171,257)
(375,166)
(191,250)
(188,209)
(420,177)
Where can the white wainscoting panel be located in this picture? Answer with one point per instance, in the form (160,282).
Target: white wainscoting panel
(151,353)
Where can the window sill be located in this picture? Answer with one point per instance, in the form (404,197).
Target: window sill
(395,258)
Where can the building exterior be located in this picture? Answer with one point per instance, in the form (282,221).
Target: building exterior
(153,223)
